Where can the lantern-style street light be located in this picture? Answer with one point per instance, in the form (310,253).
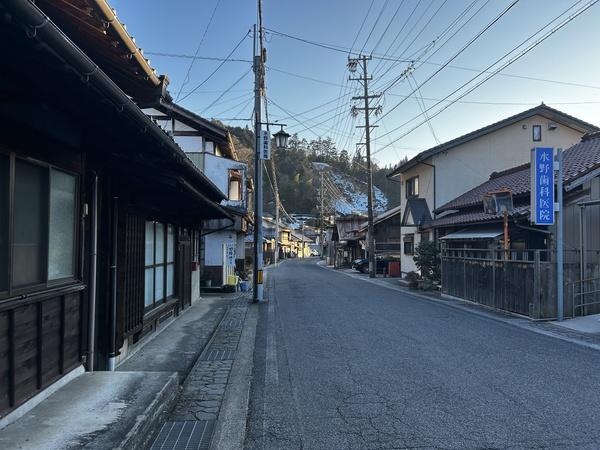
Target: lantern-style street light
(281,139)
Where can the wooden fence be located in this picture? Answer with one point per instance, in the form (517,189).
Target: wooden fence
(522,282)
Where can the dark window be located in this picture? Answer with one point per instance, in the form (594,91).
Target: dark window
(4,215)
(412,187)
(30,224)
(409,244)
(537,133)
(425,236)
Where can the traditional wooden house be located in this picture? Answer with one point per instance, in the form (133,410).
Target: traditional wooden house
(97,207)
(387,232)
(520,276)
(347,238)
(210,147)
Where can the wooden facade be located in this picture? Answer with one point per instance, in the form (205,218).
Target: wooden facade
(64,121)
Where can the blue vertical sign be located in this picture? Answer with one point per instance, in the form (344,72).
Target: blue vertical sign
(542,186)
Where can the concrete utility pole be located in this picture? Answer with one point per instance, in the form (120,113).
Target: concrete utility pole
(365,78)
(321,230)
(258,67)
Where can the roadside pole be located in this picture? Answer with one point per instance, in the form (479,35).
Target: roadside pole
(559,235)
(257,280)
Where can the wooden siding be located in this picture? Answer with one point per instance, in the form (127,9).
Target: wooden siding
(130,291)
(40,341)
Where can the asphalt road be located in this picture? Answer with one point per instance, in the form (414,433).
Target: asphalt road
(342,363)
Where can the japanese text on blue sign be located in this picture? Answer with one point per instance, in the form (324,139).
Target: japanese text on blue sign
(542,186)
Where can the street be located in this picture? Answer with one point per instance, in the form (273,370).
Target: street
(343,363)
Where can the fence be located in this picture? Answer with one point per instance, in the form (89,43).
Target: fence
(522,282)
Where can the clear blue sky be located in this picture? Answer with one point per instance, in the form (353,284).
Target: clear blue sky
(177,27)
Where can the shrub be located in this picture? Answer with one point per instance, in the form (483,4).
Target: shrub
(413,279)
(427,259)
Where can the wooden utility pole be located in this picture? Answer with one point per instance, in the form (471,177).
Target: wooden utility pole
(364,79)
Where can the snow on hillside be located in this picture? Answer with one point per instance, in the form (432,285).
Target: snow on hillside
(355,195)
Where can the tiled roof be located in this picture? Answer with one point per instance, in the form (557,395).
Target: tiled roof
(472,215)
(381,217)
(578,160)
(543,110)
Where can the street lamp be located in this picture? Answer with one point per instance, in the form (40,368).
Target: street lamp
(281,139)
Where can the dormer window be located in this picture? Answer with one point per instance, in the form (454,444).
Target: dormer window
(235,185)
(412,187)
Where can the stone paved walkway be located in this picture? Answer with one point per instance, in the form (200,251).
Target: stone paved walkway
(202,394)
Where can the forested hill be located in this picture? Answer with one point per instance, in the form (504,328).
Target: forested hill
(299,181)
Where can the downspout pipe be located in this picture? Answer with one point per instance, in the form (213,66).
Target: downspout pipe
(93,274)
(112,355)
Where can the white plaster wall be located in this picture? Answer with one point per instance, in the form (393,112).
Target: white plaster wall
(213,246)
(189,143)
(217,170)
(464,167)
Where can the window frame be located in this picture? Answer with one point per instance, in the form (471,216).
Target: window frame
(164,265)
(409,239)
(411,181)
(533,128)
(234,174)
(11,290)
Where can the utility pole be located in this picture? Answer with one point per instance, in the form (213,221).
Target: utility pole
(364,79)
(322,220)
(258,67)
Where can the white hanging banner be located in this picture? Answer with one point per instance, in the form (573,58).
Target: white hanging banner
(265,145)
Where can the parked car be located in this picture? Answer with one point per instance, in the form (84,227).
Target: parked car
(362,265)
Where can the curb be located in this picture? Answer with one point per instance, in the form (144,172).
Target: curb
(517,321)
(230,428)
(142,433)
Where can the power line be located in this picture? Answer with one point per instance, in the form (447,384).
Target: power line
(452,58)
(227,90)
(502,67)
(189,69)
(217,69)
(362,25)
(374,25)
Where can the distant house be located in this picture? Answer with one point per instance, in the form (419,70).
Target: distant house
(473,240)
(441,173)
(346,239)
(387,232)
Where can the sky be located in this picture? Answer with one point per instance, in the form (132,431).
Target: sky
(308,87)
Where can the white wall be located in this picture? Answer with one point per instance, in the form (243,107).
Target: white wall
(213,246)
(217,170)
(466,166)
